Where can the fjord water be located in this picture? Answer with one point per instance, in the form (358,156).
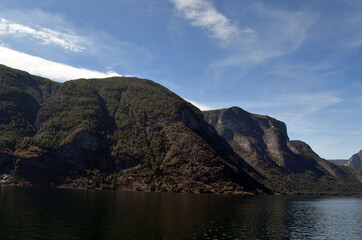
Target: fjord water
(45,213)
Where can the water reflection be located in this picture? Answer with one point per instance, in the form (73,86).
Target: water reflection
(36,213)
(326,218)
(250,218)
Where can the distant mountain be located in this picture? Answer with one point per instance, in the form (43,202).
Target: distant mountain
(134,134)
(339,162)
(125,133)
(355,161)
(287,166)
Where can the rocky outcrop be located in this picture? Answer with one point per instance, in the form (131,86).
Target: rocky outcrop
(355,161)
(260,139)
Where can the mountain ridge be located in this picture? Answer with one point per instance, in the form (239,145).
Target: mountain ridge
(134,134)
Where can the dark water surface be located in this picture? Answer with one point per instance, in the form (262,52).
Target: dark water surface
(43,213)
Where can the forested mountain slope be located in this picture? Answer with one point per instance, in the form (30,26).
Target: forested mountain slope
(134,134)
(119,132)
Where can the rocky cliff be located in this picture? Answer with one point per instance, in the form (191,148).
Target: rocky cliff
(355,161)
(288,166)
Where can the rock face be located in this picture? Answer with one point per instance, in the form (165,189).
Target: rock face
(288,166)
(355,161)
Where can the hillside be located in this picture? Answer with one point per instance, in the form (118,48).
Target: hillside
(134,134)
(288,166)
(21,96)
(124,133)
(355,161)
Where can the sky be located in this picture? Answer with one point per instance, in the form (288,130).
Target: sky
(298,61)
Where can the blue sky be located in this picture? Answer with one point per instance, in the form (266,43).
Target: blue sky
(297,61)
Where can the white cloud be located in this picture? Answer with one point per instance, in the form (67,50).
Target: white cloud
(283,32)
(102,49)
(200,106)
(42,67)
(47,36)
(203,14)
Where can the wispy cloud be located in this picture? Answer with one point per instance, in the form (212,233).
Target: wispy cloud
(283,31)
(298,110)
(305,102)
(47,36)
(42,67)
(203,14)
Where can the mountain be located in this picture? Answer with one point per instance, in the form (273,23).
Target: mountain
(119,132)
(287,166)
(339,162)
(355,161)
(21,96)
(134,134)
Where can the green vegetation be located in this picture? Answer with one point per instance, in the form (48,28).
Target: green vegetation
(21,96)
(134,134)
(118,132)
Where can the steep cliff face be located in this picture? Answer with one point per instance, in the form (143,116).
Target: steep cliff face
(123,133)
(288,166)
(260,139)
(355,161)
